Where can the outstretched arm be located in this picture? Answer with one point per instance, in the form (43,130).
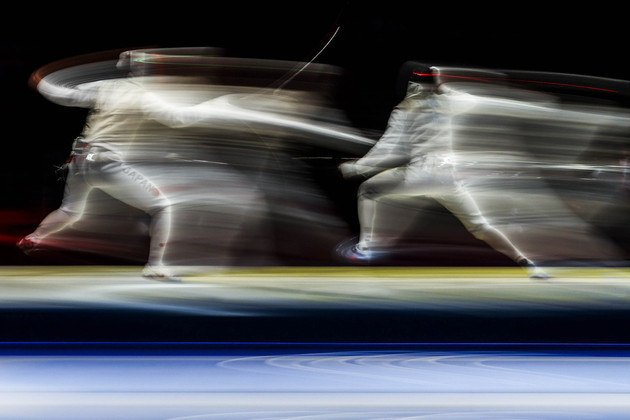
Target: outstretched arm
(83,96)
(220,112)
(389,152)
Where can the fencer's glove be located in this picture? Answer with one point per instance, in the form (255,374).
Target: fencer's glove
(348,169)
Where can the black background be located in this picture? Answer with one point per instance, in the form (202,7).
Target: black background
(374,41)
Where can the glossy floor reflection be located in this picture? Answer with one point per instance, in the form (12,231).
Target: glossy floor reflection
(316,383)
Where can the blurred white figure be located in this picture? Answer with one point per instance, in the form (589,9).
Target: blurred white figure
(415,157)
(100,159)
(146,117)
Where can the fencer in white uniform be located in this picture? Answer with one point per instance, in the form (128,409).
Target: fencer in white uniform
(101,158)
(414,157)
(132,116)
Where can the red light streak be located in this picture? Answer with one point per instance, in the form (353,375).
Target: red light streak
(517,80)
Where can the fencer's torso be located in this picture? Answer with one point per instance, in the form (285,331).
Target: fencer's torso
(418,131)
(118,123)
(450,127)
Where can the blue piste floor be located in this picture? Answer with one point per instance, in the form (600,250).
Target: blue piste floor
(314,343)
(307,381)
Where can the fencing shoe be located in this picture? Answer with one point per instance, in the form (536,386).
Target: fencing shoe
(533,270)
(28,244)
(350,251)
(160,273)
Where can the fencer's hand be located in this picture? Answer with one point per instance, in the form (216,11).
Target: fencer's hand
(348,169)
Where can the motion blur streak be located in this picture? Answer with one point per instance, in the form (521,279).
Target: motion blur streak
(547,170)
(321,385)
(535,168)
(205,145)
(296,290)
(490,79)
(233,161)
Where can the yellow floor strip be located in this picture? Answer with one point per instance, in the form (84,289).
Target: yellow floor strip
(346,273)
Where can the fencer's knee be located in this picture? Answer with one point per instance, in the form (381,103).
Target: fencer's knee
(164,208)
(368,190)
(480,230)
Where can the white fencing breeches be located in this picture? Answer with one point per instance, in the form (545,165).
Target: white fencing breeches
(423,180)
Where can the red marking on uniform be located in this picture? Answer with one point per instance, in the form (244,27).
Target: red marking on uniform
(156,192)
(516,80)
(162,244)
